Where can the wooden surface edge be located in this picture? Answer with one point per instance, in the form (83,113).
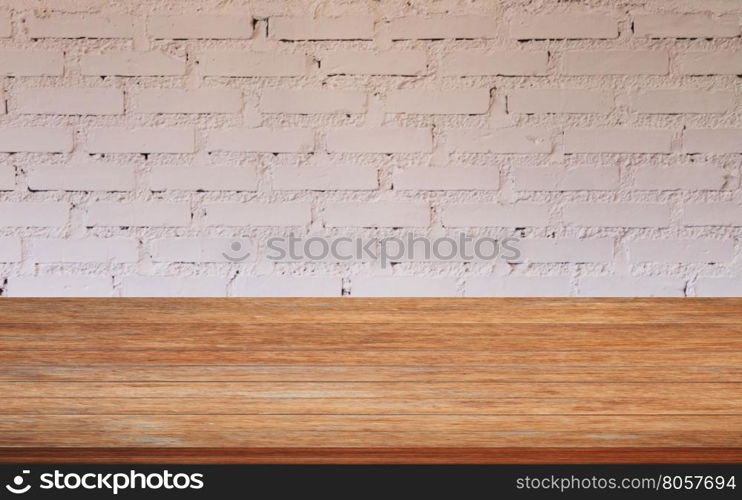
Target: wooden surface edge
(371,455)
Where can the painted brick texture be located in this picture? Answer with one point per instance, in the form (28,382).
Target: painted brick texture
(140,139)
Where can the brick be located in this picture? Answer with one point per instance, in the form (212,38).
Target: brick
(173,286)
(236,25)
(719,287)
(517,286)
(713,214)
(630,286)
(14,62)
(152,63)
(244,64)
(683,101)
(195,250)
(504,140)
(288,286)
(87,250)
(499,63)
(403,286)
(71,101)
(138,214)
(447,178)
(262,140)
(615,62)
(718,62)
(495,215)
(686,26)
(554,178)
(172,101)
(685,177)
(6,27)
(533,101)
(695,251)
(378,214)
(60,286)
(391,62)
(617,140)
(325,28)
(140,140)
(617,214)
(33,214)
(310,101)
(556,25)
(35,140)
(379,140)
(717,141)
(438,102)
(81,26)
(7,177)
(566,250)
(10,249)
(326,178)
(282,214)
(82,178)
(442,26)
(190,178)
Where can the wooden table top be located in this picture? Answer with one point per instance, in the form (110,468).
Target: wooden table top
(371,380)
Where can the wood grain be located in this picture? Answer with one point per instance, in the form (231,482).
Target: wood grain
(366,381)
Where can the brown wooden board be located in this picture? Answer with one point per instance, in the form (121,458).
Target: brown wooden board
(371,380)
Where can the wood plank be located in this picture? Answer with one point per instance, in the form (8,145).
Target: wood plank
(480,374)
(597,356)
(668,403)
(410,390)
(551,311)
(531,372)
(375,431)
(346,455)
(350,336)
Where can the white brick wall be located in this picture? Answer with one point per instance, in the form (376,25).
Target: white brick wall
(139,140)
(377,214)
(258,214)
(564,26)
(718,62)
(325,178)
(70,101)
(82,178)
(327,28)
(88,250)
(262,140)
(203,178)
(496,63)
(18,62)
(312,101)
(236,25)
(288,286)
(81,26)
(390,62)
(206,101)
(153,63)
(615,62)
(240,63)
(560,101)
(686,26)
(484,215)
